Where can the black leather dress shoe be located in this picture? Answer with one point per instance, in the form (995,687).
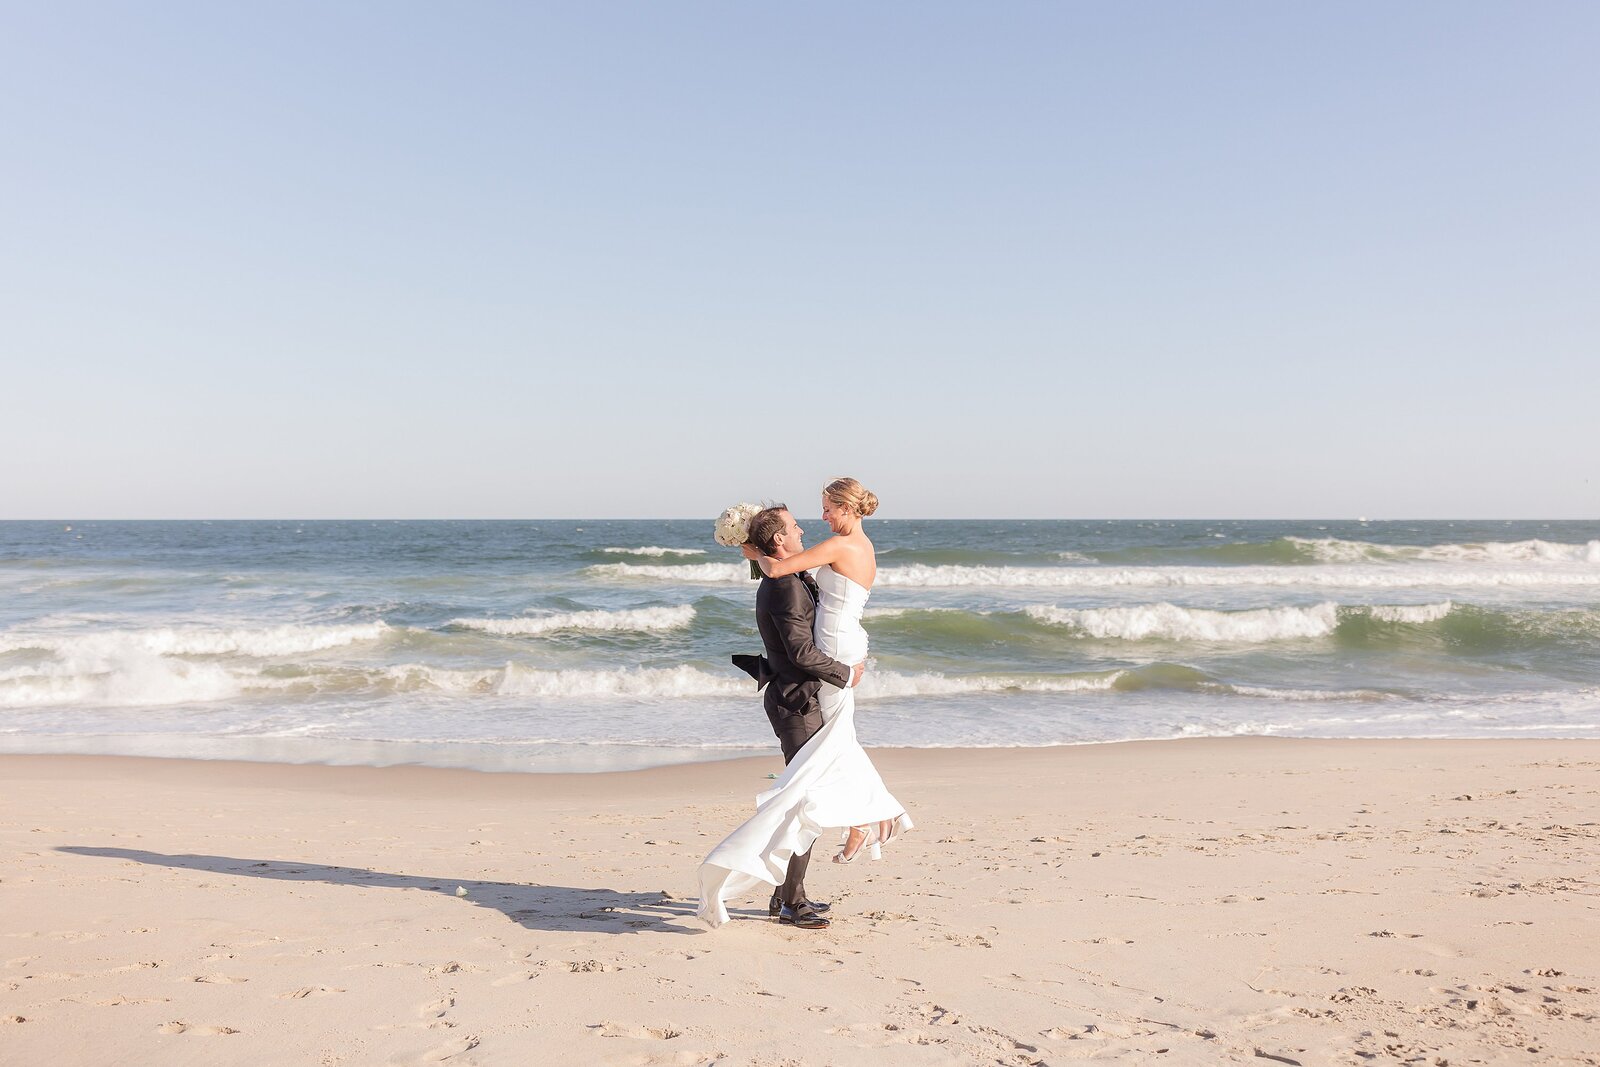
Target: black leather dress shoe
(804,915)
(774,904)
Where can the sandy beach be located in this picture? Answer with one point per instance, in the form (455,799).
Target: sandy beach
(1204,901)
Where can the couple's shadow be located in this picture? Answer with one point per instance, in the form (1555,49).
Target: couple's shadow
(536,907)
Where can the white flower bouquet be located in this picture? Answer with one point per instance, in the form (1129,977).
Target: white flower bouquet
(733,530)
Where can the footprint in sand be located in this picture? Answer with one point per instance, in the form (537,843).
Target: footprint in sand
(435,1009)
(308,991)
(641,1033)
(177,1027)
(218,979)
(453,1047)
(513,979)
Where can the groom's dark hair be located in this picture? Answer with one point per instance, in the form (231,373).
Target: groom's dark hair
(765,526)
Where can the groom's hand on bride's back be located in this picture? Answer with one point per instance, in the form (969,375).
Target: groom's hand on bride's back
(856,672)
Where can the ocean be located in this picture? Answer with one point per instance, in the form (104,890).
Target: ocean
(600,645)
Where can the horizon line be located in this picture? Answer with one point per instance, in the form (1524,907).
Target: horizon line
(698,518)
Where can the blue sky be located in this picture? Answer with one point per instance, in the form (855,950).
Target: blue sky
(1027,259)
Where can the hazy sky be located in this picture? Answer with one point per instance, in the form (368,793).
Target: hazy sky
(646,259)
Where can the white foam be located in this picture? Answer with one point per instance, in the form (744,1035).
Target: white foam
(420,677)
(888,684)
(135,681)
(285,640)
(1334,550)
(642,620)
(896,613)
(1170,622)
(637,682)
(1377,576)
(655,550)
(686,681)
(1410,613)
(691,572)
(1316,695)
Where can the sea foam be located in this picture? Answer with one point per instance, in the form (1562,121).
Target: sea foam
(1174,623)
(691,572)
(195,640)
(639,620)
(1334,550)
(137,680)
(1374,577)
(654,550)
(1371,576)
(1170,622)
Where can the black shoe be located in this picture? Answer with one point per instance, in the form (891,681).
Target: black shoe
(804,915)
(774,904)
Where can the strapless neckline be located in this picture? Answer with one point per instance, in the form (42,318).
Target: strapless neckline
(838,574)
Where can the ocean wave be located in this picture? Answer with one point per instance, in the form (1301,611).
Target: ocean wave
(918,576)
(1411,614)
(148,681)
(654,550)
(689,572)
(635,682)
(1303,551)
(1445,625)
(1173,623)
(266,641)
(889,684)
(693,682)
(1364,696)
(152,680)
(925,576)
(1334,550)
(636,620)
(1169,622)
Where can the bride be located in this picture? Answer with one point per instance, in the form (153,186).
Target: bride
(830,783)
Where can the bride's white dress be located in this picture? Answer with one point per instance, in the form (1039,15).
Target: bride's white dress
(829,785)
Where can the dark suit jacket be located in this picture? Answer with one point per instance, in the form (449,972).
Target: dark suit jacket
(793,669)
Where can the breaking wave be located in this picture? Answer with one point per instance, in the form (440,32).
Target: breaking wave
(1170,622)
(692,572)
(1314,577)
(637,620)
(654,550)
(1304,551)
(266,641)
(1372,576)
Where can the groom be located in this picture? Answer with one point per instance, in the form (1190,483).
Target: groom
(791,672)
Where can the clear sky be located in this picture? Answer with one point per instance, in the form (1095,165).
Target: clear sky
(1022,259)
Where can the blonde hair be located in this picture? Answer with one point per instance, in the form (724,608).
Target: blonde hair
(851,495)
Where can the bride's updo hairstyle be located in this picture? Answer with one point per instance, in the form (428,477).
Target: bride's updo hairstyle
(852,496)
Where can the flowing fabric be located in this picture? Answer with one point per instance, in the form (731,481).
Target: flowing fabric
(829,785)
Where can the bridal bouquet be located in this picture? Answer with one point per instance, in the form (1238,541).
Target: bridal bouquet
(733,530)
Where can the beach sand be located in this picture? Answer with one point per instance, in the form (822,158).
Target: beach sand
(1207,901)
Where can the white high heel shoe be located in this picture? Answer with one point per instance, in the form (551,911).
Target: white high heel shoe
(869,839)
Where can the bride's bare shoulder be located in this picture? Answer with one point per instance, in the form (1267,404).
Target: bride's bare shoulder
(858,562)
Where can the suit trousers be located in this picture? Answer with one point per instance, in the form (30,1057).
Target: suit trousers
(793,732)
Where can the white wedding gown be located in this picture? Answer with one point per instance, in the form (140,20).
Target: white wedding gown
(829,785)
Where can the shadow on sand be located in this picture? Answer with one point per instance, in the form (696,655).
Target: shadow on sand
(536,907)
